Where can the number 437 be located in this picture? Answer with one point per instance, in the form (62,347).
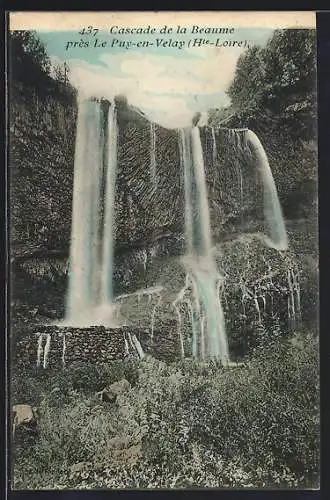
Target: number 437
(89,31)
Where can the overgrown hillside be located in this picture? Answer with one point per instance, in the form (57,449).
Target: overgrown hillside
(179,425)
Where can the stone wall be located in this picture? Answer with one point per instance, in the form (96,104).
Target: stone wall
(93,344)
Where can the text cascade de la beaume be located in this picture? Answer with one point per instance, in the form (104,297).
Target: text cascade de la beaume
(170,37)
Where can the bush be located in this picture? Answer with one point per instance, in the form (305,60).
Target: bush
(85,376)
(119,369)
(263,417)
(187,424)
(88,377)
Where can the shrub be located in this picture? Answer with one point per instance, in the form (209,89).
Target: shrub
(187,424)
(89,377)
(85,376)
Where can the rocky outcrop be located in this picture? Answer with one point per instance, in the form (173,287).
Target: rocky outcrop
(265,293)
(42,137)
(23,416)
(110,394)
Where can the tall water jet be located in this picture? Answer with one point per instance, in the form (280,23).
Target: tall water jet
(207,318)
(91,251)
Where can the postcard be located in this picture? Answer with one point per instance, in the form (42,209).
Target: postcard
(163,180)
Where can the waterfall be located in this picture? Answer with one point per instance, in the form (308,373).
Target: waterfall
(46,350)
(89,300)
(197,217)
(86,158)
(39,349)
(63,349)
(272,209)
(108,239)
(185,156)
(208,327)
(202,229)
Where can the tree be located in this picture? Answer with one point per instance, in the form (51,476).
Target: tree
(27,48)
(61,73)
(279,80)
(290,77)
(247,89)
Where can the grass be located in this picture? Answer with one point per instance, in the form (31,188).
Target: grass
(184,424)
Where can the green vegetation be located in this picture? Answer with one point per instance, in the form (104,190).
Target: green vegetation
(184,424)
(277,82)
(29,60)
(274,94)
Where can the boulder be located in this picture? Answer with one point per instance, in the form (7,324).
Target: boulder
(119,387)
(109,394)
(23,416)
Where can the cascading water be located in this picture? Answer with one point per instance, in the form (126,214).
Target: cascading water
(109,208)
(90,299)
(86,175)
(203,280)
(90,294)
(274,234)
(201,291)
(272,208)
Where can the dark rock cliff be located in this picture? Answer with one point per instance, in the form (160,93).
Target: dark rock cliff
(42,142)
(149,210)
(42,135)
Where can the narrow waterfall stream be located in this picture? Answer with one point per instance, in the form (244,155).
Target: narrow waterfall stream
(203,279)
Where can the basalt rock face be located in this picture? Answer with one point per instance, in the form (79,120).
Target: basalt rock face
(42,143)
(42,137)
(235,193)
(146,205)
(149,218)
(265,294)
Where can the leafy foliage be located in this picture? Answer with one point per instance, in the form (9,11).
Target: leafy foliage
(185,424)
(247,88)
(279,78)
(27,50)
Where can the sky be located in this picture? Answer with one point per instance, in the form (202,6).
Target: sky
(169,84)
